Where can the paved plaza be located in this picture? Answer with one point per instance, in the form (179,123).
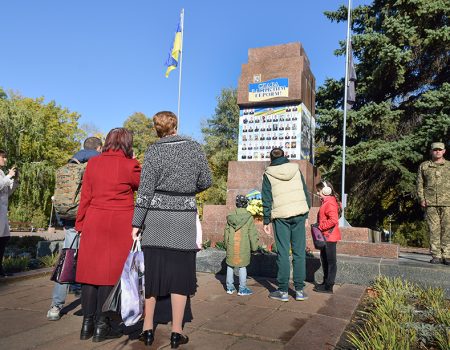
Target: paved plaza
(221,321)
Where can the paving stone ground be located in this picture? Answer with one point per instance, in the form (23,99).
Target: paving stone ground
(221,321)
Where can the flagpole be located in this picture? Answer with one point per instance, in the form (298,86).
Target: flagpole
(342,221)
(181,64)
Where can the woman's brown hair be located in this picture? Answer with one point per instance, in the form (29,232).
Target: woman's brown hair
(119,139)
(165,123)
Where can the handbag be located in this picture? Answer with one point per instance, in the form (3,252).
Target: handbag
(318,238)
(66,267)
(132,285)
(112,302)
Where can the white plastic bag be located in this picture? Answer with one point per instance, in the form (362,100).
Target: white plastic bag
(132,285)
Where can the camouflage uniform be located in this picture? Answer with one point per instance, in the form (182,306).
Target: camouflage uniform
(433,186)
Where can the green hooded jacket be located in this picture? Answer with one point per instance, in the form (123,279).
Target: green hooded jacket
(241,237)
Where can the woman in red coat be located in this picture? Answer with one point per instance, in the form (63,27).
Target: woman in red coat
(328,222)
(104,221)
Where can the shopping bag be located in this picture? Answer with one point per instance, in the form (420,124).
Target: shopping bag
(132,286)
(112,303)
(199,237)
(318,237)
(66,267)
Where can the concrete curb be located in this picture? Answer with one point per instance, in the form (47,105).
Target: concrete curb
(351,269)
(20,276)
(354,270)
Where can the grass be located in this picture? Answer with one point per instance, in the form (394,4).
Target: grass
(49,260)
(401,315)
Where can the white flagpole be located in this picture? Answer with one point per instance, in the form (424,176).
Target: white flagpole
(181,63)
(342,221)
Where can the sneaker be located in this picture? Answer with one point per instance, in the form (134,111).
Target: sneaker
(300,295)
(231,290)
(54,313)
(245,291)
(279,295)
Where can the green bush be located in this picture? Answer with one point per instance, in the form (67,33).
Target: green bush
(221,245)
(25,213)
(206,244)
(15,264)
(400,315)
(39,219)
(49,260)
(412,234)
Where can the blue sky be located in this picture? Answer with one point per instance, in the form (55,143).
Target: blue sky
(105,58)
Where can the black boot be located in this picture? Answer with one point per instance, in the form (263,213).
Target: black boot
(324,288)
(103,330)
(147,337)
(87,328)
(176,339)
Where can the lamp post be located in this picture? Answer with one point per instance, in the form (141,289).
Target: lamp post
(50,228)
(342,221)
(390,220)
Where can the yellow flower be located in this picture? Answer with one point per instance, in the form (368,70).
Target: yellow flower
(255,207)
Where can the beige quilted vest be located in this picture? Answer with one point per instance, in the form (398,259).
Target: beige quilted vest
(287,191)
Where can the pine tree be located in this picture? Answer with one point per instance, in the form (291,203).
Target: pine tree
(402,105)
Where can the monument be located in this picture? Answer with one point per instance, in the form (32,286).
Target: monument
(276,98)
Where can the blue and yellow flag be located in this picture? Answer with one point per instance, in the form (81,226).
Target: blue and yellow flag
(175,51)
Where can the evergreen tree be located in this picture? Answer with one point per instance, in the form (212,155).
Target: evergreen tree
(221,136)
(402,105)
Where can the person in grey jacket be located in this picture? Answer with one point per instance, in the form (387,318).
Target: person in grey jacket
(175,169)
(7,186)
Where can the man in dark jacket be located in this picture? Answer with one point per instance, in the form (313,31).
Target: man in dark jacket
(286,206)
(92,147)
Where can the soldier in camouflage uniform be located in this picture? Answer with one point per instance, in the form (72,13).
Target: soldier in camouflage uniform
(433,190)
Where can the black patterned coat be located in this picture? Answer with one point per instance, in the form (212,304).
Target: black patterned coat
(175,169)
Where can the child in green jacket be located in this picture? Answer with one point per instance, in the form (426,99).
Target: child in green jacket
(241,237)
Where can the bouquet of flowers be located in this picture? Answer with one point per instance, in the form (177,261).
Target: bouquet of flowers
(255,203)
(255,207)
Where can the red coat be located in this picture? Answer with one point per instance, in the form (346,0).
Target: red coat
(328,218)
(104,217)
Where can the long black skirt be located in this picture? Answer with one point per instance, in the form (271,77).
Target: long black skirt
(169,271)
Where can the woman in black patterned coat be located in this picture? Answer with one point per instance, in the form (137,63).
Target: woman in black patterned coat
(175,169)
